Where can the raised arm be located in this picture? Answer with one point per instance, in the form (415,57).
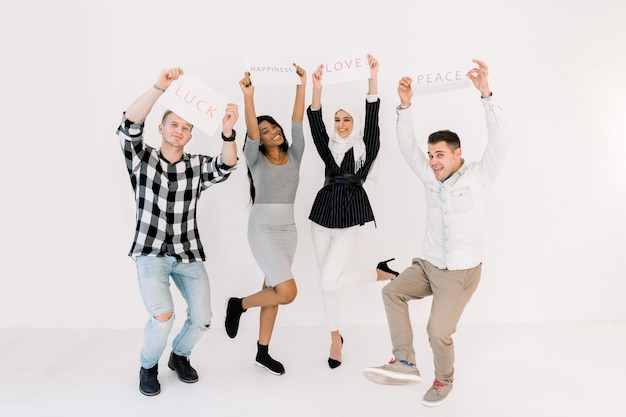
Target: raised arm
(141,107)
(316,99)
(497,137)
(405,92)
(373,80)
(229,148)
(248,102)
(405,130)
(298,106)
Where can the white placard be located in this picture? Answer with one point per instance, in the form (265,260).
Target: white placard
(193,100)
(271,70)
(440,78)
(350,65)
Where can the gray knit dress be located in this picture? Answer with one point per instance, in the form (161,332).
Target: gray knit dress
(272,233)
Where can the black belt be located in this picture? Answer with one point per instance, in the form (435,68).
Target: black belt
(348,179)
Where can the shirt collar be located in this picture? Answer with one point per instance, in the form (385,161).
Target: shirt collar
(184,158)
(458,173)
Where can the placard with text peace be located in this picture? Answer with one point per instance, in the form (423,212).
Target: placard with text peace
(440,77)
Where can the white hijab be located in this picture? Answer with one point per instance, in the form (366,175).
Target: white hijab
(339,146)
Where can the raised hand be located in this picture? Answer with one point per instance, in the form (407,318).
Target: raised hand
(317,77)
(301,73)
(142,106)
(479,76)
(373,64)
(246,84)
(167,76)
(230,118)
(405,92)
(373,80)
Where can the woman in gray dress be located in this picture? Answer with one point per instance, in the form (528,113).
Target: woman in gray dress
(273,171)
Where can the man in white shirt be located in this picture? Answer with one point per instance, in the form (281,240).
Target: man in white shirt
(456,195)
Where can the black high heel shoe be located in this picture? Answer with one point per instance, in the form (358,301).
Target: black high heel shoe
(333,363)
(385,268)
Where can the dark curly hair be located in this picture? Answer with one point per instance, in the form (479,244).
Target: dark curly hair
(283,146)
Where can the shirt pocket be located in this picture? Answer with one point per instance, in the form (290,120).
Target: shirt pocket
(434,197)
(462,201)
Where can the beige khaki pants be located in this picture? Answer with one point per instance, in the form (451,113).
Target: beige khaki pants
(451,291)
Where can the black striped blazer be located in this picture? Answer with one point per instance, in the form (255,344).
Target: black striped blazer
(344,205)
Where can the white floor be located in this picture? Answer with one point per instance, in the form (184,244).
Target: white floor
(554,370)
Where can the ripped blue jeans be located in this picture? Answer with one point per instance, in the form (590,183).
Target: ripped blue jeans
(192,281)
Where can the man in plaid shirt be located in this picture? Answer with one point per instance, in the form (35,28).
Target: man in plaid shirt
(167,184)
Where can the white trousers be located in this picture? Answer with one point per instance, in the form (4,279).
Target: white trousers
(332,248)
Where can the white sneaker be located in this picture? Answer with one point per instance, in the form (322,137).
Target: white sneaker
(393,373)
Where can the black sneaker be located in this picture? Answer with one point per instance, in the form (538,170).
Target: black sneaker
(234,310)
(148,382)
(264,360)
(183,368)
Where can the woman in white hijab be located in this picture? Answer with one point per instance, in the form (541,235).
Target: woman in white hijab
(342,205)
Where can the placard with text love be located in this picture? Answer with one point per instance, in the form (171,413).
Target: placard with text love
(349,65)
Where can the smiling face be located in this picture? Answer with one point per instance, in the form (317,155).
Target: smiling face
(271,134)
(175,130)
(344,123)
(444,161)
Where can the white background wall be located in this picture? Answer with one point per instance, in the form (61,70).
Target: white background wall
(556,234)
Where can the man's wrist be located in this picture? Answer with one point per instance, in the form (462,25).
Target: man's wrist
(156,87)
(485,95)
(231,138)
(404,106)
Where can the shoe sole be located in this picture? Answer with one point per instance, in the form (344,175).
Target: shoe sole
(434,403)
(149,394)
(382,377)
(260,365)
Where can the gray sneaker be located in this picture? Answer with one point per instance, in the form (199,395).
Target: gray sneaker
(393,373)
(437,394)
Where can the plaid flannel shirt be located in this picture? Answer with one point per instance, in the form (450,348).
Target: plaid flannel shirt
(166,196)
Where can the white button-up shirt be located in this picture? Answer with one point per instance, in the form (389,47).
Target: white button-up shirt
(457,207)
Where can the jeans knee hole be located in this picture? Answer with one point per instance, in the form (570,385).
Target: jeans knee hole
(167,316)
